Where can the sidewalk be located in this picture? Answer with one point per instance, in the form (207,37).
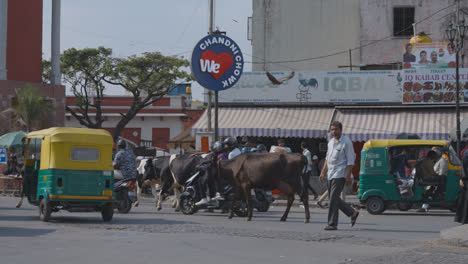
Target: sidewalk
(455,236)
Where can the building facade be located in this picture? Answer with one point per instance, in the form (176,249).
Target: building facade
(153,126)
(292,31)
(391,21)
(21,59)
(328,35)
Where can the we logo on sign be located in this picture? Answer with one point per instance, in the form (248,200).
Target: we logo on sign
(215,64)
(209,66)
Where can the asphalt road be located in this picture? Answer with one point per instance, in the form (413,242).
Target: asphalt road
(147,236)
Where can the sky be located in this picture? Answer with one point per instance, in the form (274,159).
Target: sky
(133,27)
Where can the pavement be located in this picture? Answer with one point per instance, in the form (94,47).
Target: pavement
(454,236)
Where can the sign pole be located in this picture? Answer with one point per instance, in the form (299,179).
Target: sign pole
(216,133)
(210,31)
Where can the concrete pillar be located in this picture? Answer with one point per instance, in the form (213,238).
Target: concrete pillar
(55,52)
(3,38)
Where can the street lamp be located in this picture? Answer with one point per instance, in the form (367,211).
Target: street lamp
(456,34)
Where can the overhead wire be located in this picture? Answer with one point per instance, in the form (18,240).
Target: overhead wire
(353,49)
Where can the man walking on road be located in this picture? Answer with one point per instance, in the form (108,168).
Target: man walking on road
(339,163)
(307,172)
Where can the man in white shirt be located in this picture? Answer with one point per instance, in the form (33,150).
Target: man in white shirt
(338,165)
(233,150)
(441,169)
(307,170)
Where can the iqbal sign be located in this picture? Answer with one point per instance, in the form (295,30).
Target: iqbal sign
(316,88)
(217,62)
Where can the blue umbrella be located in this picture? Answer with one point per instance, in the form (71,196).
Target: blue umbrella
(13,139)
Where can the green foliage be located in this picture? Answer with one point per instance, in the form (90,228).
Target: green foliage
(46,71)
(147,78)
(30,109)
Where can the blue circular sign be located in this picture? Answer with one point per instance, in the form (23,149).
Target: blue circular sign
(217,62)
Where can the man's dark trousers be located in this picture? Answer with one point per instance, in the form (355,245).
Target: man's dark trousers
(335,187)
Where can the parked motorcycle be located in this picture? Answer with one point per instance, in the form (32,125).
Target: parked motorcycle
(261,199)
(124,195)
(193,194)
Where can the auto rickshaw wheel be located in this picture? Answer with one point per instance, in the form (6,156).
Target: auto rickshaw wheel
(107,212)
(375,205)
(44,210)
(404,205)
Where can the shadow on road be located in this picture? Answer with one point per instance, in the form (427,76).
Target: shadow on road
(23,232)
(116,221)
(19,218)
(399,231)
(14,208)
(420,214)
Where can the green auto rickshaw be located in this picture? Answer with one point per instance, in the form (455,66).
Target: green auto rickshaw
(69,169)
(379,189)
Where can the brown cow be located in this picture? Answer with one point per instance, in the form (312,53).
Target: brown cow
(268,171)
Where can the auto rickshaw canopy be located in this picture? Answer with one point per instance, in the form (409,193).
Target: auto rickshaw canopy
(74,148)
(379,143)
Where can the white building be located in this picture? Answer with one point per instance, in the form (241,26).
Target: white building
(300,29)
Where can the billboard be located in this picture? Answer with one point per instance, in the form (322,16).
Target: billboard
(315,88)
(428,55)
(433,86)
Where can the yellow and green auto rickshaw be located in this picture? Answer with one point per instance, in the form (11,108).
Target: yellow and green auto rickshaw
(380,189)
(69,169)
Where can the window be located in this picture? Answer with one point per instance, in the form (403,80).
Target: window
(85,154)
(34,149)
(403,19)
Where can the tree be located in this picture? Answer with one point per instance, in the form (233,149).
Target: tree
(147,78)
(84,70)
(30,109)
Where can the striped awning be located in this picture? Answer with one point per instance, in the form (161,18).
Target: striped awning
(381,123)
(269,121)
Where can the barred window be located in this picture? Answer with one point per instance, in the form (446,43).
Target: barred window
(403,19)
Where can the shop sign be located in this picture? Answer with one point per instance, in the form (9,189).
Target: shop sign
(316,88)
(434,86)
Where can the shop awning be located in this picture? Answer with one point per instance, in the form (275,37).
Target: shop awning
(383,123)
(304,122)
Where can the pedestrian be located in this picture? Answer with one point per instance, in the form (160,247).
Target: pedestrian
(429,174)
(306,173)
(462,200)
(324,195)
(338,165)
(281,148)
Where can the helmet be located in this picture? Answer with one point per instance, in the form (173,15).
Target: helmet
(253,150)
(218,146)
(230,141)
(245,150)
(261,147)
(121,143)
